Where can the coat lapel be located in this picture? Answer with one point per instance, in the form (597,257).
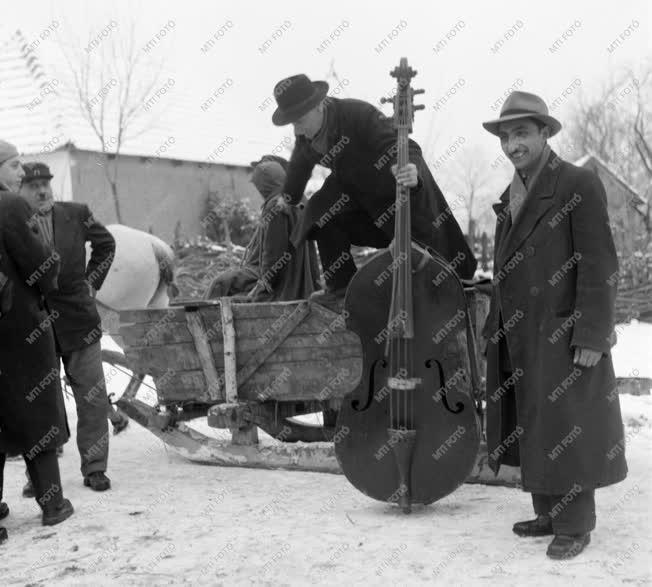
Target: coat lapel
(537,203)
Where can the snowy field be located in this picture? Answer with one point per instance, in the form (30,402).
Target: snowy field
(168,521)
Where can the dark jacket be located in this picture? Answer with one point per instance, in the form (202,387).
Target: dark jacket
(78,324)
(554,290)
(32,415)
(361,151)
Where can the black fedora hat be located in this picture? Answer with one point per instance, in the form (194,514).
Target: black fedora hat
(295,96)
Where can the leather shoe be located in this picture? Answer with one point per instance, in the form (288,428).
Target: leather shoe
(542,526)
(28,490)
(565,546)
(97,481)
(4,510)
(53,515)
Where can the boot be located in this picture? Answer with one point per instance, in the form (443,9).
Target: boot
(97,481)
(542,526)
(57,513)
(565,546)
(3,534)
(4,510)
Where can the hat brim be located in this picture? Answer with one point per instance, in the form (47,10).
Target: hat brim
(550,121)
(282,117)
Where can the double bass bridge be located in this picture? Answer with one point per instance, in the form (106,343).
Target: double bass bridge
(403,383)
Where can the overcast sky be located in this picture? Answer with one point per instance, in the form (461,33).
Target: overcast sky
(490,47)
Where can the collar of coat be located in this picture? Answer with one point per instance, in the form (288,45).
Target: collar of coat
(538,202)
(330,130)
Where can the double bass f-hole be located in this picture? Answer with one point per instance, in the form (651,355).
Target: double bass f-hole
(355,404)
(442,392)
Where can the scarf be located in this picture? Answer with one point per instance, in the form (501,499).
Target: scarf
(44,222)
(518,190)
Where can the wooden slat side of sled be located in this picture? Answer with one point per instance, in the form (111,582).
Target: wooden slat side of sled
(317,357)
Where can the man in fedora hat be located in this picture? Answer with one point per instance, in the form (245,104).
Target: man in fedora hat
(551,406)
(355,205)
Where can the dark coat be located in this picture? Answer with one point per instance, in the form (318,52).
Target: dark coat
(362,149)
(288,272)
(78,324)
(285,272)
(554,290)
(32,414)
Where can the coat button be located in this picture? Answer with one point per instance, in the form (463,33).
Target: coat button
(534,290)
(529,251)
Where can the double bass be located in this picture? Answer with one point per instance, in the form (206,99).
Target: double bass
(410,431)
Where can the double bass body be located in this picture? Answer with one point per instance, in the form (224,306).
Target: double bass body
(412,432)
(442,417)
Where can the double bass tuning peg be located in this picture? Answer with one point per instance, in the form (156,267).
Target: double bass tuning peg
(415,92)
(386,100)
(418,107)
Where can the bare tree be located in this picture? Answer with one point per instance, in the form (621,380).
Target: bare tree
(112,80)
(616,125)
(471,179)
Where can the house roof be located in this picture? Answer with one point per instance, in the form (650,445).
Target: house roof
(588,158)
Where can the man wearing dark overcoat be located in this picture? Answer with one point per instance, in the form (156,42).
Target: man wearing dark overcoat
(32,417)
(552,407)
(67,227)
(356,203)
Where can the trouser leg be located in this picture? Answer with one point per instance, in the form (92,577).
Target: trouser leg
(541,504)
(573,513)
(46,478)
(84,370)
(334,239)
(334,248)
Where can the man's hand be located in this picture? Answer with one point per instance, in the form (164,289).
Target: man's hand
(407,176)
(586,357)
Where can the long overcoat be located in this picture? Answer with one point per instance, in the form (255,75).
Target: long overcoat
(32,413)
(555,278)
(361,150)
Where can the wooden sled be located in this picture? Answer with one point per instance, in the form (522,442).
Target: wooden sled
(246,367)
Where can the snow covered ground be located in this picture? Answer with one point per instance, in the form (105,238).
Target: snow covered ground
(168,521)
